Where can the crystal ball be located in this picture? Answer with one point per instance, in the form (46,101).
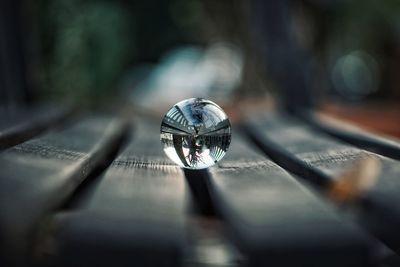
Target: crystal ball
(195,133)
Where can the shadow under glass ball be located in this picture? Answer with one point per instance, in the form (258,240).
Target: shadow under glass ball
(195,133)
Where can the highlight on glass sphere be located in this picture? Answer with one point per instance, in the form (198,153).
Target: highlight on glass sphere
(195,133)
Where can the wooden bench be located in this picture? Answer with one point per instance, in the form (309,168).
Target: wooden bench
(97,190)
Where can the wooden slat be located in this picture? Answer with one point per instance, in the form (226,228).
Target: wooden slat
(16,127)
(275,220)
(323,158)
(134,216)
(355,136)
(39,175)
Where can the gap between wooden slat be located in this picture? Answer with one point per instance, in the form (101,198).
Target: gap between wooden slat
(285,159)
(25,130)
(197,181)
(352,135)
(88,185)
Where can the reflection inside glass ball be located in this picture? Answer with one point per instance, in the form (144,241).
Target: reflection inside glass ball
(195,133)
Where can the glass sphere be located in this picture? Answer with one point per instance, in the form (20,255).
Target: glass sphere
(195,133)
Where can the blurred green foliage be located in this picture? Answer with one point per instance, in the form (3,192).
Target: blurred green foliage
(364,24)
(372,27)
(87,44)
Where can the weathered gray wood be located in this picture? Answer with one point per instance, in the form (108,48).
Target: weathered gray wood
(19,126)
(134,216)
(322,157)
(275,220)
(355,136)
(39,175)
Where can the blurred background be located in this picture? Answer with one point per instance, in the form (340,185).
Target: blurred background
(336,56)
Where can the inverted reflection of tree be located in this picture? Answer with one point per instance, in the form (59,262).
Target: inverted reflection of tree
(198,134)
(194,155)
(198,110)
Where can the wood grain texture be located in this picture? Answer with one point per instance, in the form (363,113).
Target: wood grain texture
(135,214)
(323,157)
(275,220)
(19,126)
(39,175)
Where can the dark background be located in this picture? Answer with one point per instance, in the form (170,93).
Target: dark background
(340,57)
